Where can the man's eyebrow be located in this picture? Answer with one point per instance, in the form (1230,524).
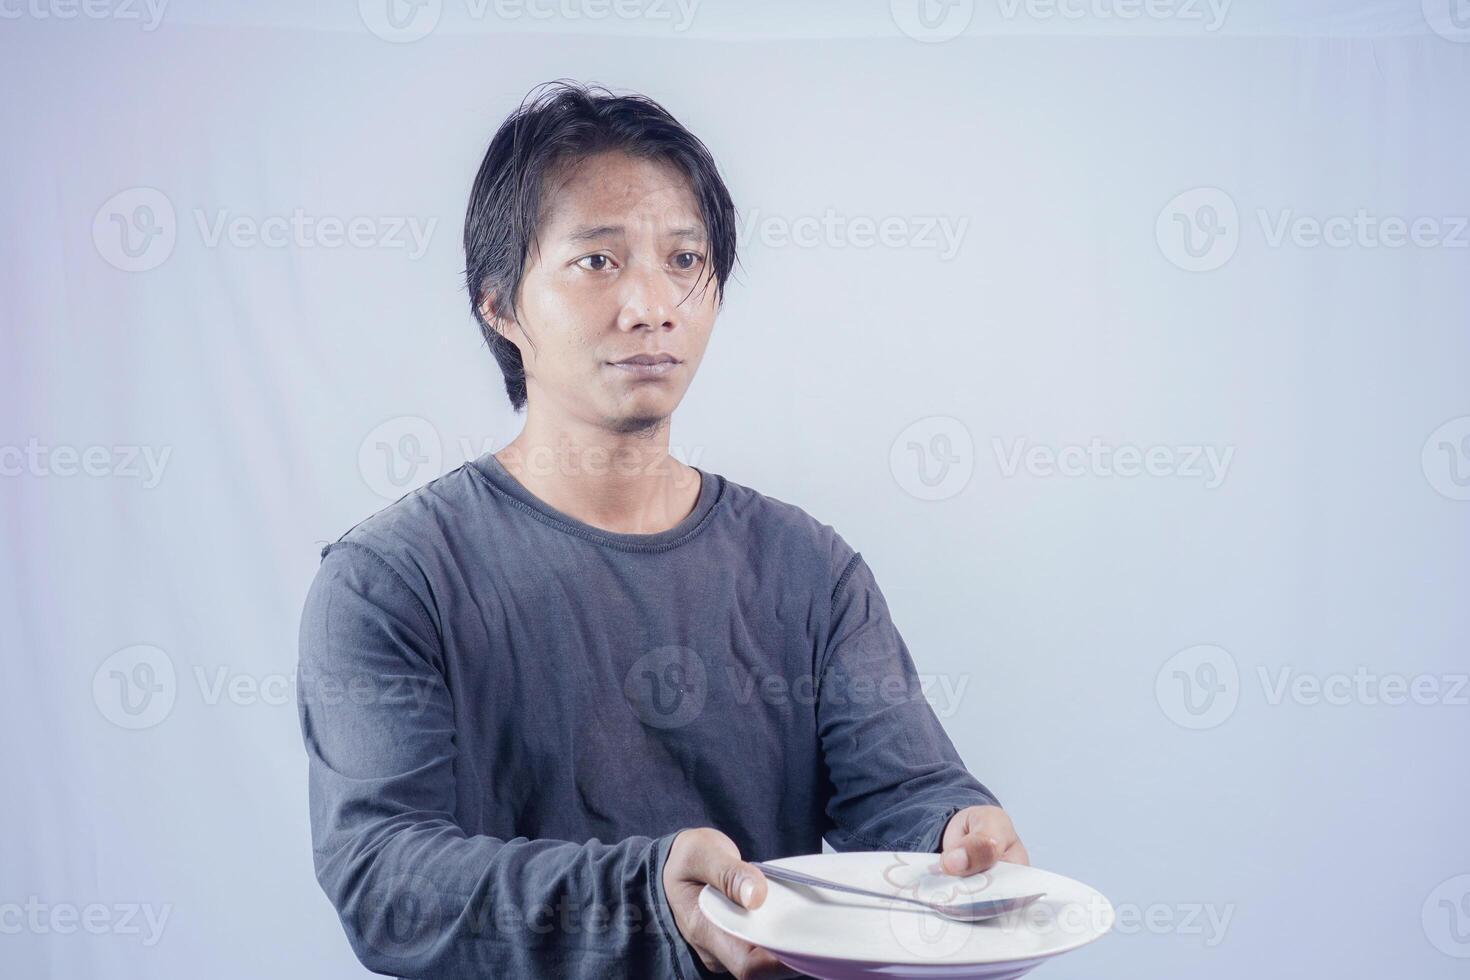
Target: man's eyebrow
(591,233)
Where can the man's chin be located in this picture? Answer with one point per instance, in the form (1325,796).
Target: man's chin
(645,411)
(638,423)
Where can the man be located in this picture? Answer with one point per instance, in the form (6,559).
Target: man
(549,696)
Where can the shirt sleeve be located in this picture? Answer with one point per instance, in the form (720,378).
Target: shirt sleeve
(895,777)
(417,895)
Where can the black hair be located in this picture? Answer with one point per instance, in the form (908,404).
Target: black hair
(554,128)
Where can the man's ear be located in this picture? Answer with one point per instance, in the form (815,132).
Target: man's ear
(499,324)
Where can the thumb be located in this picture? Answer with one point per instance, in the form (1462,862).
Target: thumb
(740,881)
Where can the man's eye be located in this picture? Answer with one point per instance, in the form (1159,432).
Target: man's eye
(600,262)
(694,259)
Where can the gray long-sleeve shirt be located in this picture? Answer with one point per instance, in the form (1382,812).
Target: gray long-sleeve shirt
(509,713)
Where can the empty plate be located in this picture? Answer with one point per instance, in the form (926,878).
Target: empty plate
(836,936)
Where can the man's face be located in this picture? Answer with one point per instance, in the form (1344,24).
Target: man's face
(620,268)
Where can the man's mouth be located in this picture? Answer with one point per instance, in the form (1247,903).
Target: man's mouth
(647,365)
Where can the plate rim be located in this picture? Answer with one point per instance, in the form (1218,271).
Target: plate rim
(1045,955)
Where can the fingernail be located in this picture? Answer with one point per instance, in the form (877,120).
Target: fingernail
(954,859)
(747,889)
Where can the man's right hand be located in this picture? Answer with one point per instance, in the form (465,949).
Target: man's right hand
(705,856)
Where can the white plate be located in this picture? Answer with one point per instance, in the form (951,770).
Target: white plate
(835,936)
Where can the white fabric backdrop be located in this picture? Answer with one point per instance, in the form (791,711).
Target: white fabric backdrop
(233,327)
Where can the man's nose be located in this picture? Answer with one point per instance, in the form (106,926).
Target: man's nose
(650,299)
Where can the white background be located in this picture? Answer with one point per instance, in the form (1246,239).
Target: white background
(1069,608)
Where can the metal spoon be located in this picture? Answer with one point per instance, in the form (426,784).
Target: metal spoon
(959,911)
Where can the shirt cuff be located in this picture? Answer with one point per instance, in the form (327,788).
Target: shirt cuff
(684,966)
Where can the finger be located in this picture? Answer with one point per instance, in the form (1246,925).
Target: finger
(762,964)
(975,852)
(716,944)
(1017,854)
(710,960)
(719,865)
(738,957)
(754,963)
(992,820)
(995,824)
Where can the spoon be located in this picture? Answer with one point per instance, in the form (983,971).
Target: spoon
(959,911)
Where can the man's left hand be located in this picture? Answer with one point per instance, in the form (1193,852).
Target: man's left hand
(977,837)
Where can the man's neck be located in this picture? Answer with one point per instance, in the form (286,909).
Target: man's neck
(625,483)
